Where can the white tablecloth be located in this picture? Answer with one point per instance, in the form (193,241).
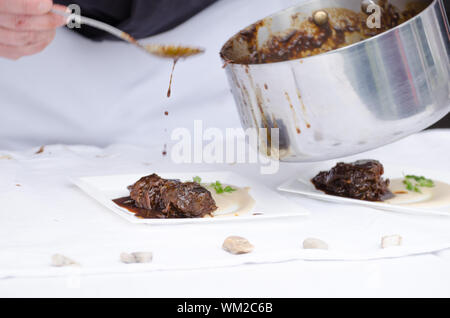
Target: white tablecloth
(42,214)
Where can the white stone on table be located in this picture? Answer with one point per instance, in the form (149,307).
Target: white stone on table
(59,260)
(314,244)
(391,240)
(237,245)
(136,257)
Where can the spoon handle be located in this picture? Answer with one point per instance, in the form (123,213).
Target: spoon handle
(100,25)
(164,51)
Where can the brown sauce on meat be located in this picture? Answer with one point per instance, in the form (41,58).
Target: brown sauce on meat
(129,204)
(152,196)
(360,180)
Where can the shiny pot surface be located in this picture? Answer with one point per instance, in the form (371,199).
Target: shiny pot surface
(339,89)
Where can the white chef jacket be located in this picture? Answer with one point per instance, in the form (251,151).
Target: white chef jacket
(97,93)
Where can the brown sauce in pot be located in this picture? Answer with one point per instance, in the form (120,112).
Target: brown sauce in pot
(129,204)
(305,38)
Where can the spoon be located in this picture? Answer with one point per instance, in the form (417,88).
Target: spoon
(174,52)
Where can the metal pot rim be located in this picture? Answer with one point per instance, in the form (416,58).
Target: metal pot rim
(374,38)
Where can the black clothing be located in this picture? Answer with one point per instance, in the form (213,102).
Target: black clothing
(140,18)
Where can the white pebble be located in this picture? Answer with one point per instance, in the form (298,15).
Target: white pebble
(59,260)
(314,244)
(391,240)
(143,257)
(136,257)
(237,245)
(127,258)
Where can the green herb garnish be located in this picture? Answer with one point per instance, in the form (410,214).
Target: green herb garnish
(197,179)
(414,183)
(411,187)
(229,189)
(220,189)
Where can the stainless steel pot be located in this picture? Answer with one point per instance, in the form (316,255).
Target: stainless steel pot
(350,99)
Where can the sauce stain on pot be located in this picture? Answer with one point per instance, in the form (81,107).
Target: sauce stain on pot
(302,104)
(294,113)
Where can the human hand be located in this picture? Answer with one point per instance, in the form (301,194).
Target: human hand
(27,26)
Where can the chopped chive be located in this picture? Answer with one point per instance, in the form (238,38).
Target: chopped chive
(414,183)
(220,189)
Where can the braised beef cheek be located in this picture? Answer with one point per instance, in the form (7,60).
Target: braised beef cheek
(172,198)
(360,180)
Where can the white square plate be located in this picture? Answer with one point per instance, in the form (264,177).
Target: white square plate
(303,185)
(269,204)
